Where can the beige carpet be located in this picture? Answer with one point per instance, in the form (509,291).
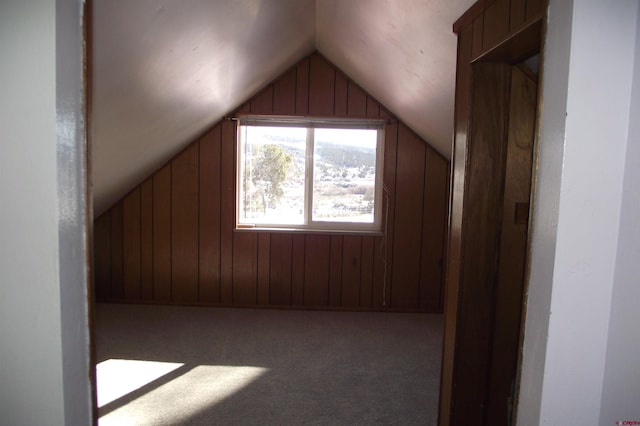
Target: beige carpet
(160,365)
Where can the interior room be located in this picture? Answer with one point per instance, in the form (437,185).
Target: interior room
(167,233)
(319,212)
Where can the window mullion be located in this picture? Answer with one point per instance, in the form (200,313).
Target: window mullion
(308,187)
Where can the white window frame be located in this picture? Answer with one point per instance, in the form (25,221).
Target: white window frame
(311,123)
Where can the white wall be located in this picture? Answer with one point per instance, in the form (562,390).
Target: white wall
(36,376)
(621,391)
(586,94)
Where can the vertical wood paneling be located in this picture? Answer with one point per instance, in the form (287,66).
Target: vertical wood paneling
(356,101)
(184,226)
(117,256)
(280,284)
(433,235)
(284,94)
(518,14)
(351,266)
(297,270)
(245,268)
(322,85)
(379,294)
(162,234)
(146,240)
(264,259)
(408,223)
(302,87)
(366,271)
(535,8)
(227,210)
(496,23)
(316,270)
(335,271)
(373,108)
(340,95)
(209,217)
(131,244)
(262,103)
(478,31)
(187,243)
(102,250)
(245,108)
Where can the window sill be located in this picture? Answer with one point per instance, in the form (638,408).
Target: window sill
(315,231)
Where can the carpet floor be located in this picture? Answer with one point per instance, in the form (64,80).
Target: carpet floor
(163,365)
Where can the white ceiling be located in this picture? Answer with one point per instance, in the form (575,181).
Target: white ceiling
(164,71)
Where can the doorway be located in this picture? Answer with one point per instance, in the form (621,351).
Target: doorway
(498,188)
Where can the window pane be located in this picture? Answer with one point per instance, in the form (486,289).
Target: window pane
(344,175)
(272,179)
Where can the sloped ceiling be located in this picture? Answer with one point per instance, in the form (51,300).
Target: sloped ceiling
(163,71)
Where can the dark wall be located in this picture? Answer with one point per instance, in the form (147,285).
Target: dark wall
(172,239)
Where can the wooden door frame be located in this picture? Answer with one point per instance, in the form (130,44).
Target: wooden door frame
(511,49)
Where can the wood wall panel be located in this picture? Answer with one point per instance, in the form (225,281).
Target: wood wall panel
(131,245)
(209,217)
(191,253)
(535,8)
(162,234)
(478,31)
(297,269)
(280,275)
(146,240)
(351,270)
(518,14)
(245,268)
(341,93)
(366,271)
(184,226)
(302,88)
(496,23)
(408,219)
(434,231)
(227,210)
(117,249)
(102,257)
(335,271)
(316,270)
(322,87)
(262,103)
(284,93)
(357,101)
(264,258)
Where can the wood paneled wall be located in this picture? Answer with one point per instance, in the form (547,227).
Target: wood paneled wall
(172,238)
(505,31)
(494,27)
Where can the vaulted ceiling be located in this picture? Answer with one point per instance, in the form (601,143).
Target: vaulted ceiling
(163,71)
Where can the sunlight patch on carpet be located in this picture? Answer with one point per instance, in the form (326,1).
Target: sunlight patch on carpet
(176,401)
(118,377)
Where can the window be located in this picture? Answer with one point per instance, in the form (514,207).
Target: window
(312,174)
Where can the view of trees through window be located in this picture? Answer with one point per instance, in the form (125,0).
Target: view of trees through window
(275,163)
